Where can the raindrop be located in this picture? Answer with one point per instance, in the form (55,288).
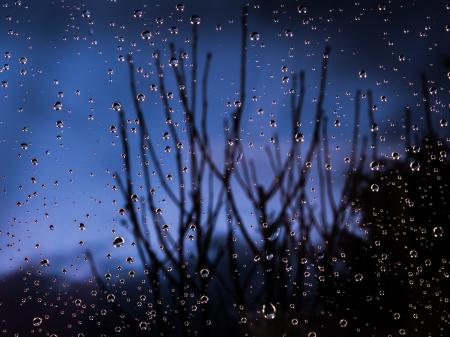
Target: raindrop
(146,35)
(289,33)
(301,9)
(374,188)
(116,106)
(299,137)
(118,241)
(269,311)
(110,298)
(438,231)
(204,299)
(373,127)
(343,323)
(173,62)
(358,277)
(57,106)
(204,273)
(195,20)
(415,166)
(374,166)
(37,321)
(254,36)
(179,7)
(86,14)
(138,13)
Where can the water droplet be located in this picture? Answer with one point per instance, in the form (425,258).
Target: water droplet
(301,9)
(86,14)
(137,13)
(299,137)
(374,188)
(57,106)
(269,311)
(289,33)
(343,323)
(37,321)
(118,241)
(179,7)
(254,36)
(358,277)
(173,62)
(415,166)
(204,273)
(110,298)
(116,106)
(374,166)
(195,20)
(438,231)
(146,35)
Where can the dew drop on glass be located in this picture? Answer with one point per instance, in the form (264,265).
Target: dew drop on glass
(269,311)
(118,241)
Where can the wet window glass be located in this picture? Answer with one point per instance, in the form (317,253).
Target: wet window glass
(224,168)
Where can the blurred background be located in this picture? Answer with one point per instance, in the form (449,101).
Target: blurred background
(64,63)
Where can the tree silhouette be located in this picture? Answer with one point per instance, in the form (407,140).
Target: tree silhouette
(393,281)
(285,280)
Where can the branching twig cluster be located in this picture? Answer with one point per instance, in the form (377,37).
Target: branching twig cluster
(208,189)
